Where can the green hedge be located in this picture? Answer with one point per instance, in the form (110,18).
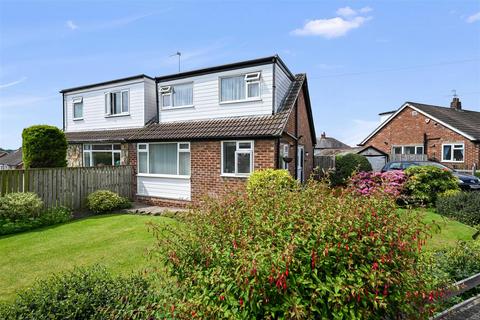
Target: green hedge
(346,165)
(461,206)
(44,147)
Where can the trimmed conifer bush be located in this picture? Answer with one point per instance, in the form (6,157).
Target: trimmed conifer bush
(44,146)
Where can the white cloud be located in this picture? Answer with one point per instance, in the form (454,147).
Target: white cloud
(325,66)
(13,83)
(330,28)
(346,12)
(365,10)
(71,25)
(474,17)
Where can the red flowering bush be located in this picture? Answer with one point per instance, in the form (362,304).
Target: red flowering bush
(304,253)
(391,183)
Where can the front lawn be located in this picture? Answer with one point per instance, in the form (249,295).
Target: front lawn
(445,232)
(116,241)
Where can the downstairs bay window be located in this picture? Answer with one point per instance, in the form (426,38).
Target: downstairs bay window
(166,159)
(237,158)
(99,155)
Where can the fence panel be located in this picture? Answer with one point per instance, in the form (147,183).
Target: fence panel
(67,187)
(324,162)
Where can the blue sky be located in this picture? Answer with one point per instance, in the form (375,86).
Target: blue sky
(361,57)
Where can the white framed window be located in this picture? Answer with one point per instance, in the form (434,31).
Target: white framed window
(164,159)
(240,88)
(178,95)
(412,149)
(284,151)
(117,103)
(99,155)
(237,158)
(453,152)
(77,108)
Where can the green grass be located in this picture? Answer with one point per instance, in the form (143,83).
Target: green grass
(445,232)
(117,241)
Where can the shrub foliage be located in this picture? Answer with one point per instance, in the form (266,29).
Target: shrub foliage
(80,294)
(346,165)
(270,180)
(44,146)
(304,253)
(20,206)
(426,182)
(461,206)
(102,201)
(390,183)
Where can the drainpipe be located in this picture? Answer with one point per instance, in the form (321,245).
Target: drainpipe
(63,110)
(157,107)
(296,140)
(274,88)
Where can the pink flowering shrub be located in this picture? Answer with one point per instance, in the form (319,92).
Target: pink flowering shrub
(390,183)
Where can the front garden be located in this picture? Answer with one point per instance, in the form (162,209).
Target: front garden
(373,246)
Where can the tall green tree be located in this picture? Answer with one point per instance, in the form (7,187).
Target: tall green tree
(44,146)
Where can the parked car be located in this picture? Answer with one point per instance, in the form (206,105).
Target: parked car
(465,181)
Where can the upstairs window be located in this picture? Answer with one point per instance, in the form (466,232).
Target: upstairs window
(240,88)
(179,95)
(117,103)
(237,158)
(453,152)
(77,108)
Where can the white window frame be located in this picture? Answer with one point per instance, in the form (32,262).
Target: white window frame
(256,79)
(108,103)
(91,151)
(160,175)
(416,146)
(284,152)
(76,100)
(237,151)
(452,145)
(169,90)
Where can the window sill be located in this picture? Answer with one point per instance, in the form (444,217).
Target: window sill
(117,115)
(226,175)
(175,108)
(241,101)
(451,161)
(172,176)
(77,119)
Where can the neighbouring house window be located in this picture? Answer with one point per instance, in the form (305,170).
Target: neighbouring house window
(179,95)
(453,152)
(117,102)
(240,87)
(284,148)
(237,157)
(98,155)
(172,158)
(77,108)
(407,150)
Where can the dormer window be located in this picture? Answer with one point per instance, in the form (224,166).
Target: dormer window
(77,108)
(240,88)
(178,95)
(117,103)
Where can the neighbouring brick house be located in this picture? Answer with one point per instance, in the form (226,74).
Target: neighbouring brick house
(450,135)
(194,133)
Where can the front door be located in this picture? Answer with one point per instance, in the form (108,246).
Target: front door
(300,163)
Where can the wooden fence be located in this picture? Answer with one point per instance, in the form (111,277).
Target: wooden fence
(324,163)
(408,157)
(67,187)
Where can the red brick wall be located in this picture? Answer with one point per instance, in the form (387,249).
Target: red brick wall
(206,179)
(407,128)
(301,125)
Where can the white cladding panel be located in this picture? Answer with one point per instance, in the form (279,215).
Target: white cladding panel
(170,188)
(150,100)
(94,117)
(282,84)
(206,97)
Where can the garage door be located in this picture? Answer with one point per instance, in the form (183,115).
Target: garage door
(377,162)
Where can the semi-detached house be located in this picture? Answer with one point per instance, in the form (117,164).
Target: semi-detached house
(194,133)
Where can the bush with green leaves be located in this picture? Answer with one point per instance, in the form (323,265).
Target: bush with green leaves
(346,165)
(461,206)
(425,183)
(103,201)
(44,146)
(20,206)
(80,294)
(264,182)
(304,253)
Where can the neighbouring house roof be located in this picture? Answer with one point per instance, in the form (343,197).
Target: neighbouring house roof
(334,152)
(325,142)
(12,159)
(464,122)
(263,126)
